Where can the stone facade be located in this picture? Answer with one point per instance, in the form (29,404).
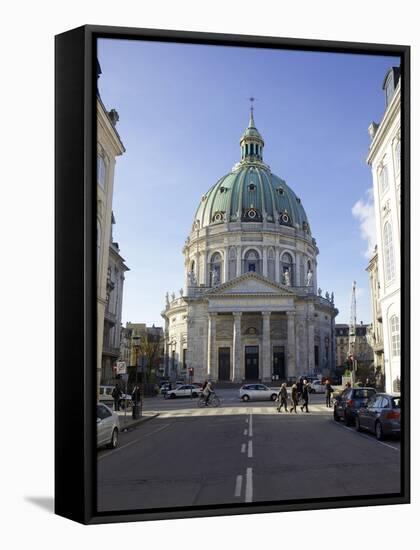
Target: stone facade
(385,160)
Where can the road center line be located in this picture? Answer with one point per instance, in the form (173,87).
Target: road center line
(250,425)
(249,488)
(250,448)
(133,442)
(238,486)
(243,447)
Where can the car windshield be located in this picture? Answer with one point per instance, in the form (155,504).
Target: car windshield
(396,402)
(363,393)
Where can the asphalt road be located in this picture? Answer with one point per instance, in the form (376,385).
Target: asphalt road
(241,453)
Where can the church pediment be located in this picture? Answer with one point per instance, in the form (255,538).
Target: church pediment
(250,283)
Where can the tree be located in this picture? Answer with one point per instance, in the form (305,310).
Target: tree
(150,347)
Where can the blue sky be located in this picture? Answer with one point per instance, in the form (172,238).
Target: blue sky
(182,111)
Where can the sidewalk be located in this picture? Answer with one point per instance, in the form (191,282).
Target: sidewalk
(127,421)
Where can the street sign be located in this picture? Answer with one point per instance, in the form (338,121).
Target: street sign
(121,367)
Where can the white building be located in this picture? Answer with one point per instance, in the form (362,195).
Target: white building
(385,160)
(251,308)
(109,146)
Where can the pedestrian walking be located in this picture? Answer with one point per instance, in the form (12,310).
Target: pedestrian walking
(117,394)
(305,396)
(282,398)
(294,398)
(328,392)
(299,388)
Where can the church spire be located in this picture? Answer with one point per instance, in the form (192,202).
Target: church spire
(252,143)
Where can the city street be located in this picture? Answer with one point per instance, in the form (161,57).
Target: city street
(241,452)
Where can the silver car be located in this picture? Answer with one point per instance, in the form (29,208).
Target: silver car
(381,415)
(107,426)
(258,392)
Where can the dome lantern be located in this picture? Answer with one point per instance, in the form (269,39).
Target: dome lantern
(252,143)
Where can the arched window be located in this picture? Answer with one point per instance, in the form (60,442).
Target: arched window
(389,253)
(397,156)
(215,269)
(100,171)
(287,269)
(252,262)
(394,325)
(383,179)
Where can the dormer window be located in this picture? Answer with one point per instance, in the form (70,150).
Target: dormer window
(298,200)
(251,187)
(280,190)
(223,189)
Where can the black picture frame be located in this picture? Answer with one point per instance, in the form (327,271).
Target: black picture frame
(75,290)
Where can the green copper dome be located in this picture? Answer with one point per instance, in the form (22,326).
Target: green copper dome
(251,192)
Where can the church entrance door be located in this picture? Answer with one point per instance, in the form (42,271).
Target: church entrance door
(224,363)
(278,363)
(251,363)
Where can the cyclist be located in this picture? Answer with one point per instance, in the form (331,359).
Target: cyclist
(207,391)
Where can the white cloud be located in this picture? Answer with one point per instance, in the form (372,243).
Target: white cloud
(364,211)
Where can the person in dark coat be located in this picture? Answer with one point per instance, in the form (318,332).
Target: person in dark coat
(328,392)
(136,395)
(117,394)
(294,398)
(305,396)
(299,388)
(282,397)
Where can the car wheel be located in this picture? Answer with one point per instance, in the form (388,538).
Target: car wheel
(114,439)
(336,417)
(172,396)
(378,431)
(347,419)
(357,422)
(273,397)
(245,398)
(195,394)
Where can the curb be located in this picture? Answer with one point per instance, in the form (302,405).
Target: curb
(134,423)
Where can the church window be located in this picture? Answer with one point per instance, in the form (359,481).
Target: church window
(252,262)
(252,186)
(389,253)
(287,266)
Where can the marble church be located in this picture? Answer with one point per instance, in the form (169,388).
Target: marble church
(251,308)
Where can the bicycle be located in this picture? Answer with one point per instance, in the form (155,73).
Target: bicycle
(213,401)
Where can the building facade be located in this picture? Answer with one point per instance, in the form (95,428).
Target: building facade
(134,351)
(362,351)
(113,311)
(377,337)
(384,159)
(109,147)
(250,308)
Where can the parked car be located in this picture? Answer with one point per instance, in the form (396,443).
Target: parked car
(257,392)
(107,426)
(349,402)
(381,415)
(186,390)
(317,387)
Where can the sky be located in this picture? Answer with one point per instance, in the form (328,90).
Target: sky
(182,111)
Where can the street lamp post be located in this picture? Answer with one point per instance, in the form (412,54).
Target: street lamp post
(137,411)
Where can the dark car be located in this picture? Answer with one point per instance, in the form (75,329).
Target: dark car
(381,416)
(349,402)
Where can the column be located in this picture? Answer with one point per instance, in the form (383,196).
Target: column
(237,347)
(264,262)
(266,347)
(226,265)
(276,266)
(211,347)
(311,344)
(298,281)
(291,344)
(238,261)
